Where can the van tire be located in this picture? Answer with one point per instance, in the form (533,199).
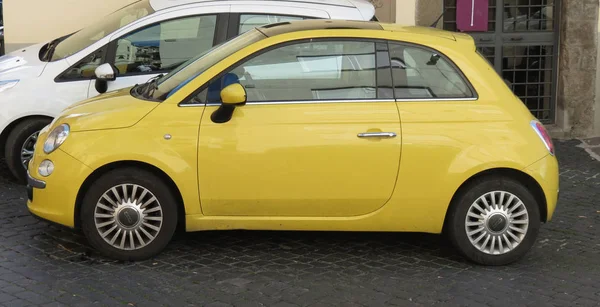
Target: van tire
(14,144)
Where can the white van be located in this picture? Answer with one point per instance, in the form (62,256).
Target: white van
(139,41)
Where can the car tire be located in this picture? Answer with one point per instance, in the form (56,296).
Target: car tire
(127,216)
(510,222)
(20,134)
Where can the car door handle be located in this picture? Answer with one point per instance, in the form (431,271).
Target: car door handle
(377,135)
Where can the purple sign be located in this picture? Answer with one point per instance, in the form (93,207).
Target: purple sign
(472,15)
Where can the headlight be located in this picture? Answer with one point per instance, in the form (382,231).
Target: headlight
(6,85)
(56,138)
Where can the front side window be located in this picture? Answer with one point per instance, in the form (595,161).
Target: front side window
(171,82)
(304,71)
(91,34)
(250,21)
(164,46)
(420,73)
(86,68)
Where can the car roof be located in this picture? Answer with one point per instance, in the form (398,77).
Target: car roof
(164,4)
(316,24)
(323,24)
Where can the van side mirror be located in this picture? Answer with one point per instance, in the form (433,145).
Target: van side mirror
(104,73)
(232,96)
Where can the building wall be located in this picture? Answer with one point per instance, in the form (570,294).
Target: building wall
(576,112)
(597,104)
(32,21)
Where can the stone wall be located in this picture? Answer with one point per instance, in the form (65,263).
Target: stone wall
(385,10)
(428,11)
(577,67)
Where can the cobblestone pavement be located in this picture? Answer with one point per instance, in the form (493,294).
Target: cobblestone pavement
(45,265)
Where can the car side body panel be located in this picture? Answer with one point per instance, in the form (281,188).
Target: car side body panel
(437,155)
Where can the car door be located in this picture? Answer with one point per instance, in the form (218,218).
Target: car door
(158,47)
(319,136)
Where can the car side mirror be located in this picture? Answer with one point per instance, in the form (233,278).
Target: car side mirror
(104,73)
(232,96)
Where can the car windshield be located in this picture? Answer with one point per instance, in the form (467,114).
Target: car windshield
(91,34)
(173,81)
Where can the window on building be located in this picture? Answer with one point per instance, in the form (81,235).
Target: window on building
(319,70)
(420,73)
(164,46)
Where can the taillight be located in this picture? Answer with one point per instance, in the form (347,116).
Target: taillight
(543,134)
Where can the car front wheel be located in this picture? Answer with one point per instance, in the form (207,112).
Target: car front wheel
(495,221)
(129,214)
(20,146)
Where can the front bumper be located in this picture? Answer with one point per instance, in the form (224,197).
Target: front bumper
(546,173)
(53,198)
(35,183)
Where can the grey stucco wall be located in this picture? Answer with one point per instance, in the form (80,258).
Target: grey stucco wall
(577,68)
(427,11)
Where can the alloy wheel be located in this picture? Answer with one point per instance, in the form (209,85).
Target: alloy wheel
(497,222)
(128,216)
(28,149)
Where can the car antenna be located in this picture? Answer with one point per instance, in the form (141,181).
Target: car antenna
(435,24)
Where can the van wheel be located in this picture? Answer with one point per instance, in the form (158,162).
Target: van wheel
(20,145)
(129,214)
(495,221)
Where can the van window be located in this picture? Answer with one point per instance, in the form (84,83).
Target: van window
(164,46)
(250,21)
(91,34)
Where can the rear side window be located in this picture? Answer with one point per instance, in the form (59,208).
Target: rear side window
(421,73)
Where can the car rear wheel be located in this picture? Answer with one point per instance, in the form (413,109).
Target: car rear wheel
(129,214)
(495,221)
(20,145)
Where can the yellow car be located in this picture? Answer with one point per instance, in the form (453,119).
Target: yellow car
(311,125)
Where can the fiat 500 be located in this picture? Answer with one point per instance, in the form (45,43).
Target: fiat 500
(311,125)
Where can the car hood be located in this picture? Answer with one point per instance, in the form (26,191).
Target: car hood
(22,64)
(112,110)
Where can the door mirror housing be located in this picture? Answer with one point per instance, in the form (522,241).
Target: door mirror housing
(234,95)
(104,73)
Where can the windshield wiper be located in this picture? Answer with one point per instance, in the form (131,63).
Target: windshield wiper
(150,86)
(49,52)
